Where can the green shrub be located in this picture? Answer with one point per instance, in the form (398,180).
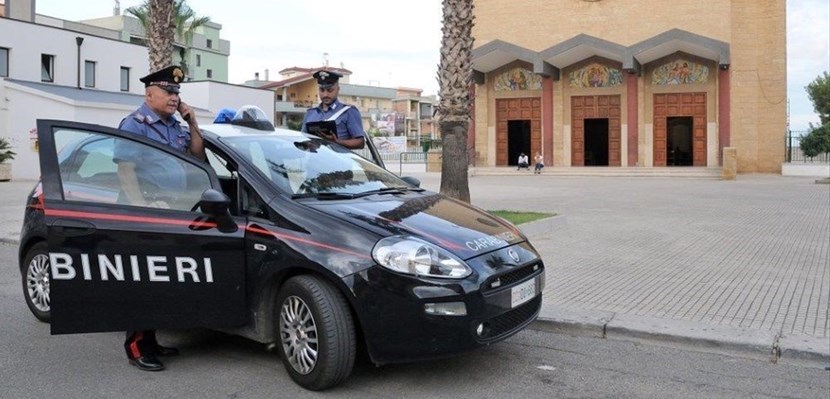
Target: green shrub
(6,153)
(817,141)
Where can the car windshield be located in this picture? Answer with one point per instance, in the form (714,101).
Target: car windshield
(312,167)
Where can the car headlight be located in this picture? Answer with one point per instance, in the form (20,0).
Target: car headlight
(414,256)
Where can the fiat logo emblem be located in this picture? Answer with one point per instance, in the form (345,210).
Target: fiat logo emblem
(513,255)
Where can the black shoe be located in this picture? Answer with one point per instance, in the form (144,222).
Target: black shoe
(166,351)
(147,363)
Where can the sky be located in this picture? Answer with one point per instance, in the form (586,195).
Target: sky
(393,43)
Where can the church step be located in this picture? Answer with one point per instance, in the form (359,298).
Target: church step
(687,172)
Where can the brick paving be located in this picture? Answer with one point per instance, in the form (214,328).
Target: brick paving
(752,253)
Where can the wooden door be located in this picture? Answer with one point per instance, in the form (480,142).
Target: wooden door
(680,104)
(517,109)
(589,107)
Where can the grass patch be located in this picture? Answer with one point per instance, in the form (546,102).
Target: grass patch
(517,217)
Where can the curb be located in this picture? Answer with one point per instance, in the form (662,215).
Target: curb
(10,241)
(756,343)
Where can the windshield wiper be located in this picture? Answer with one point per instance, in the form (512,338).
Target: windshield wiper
(325,196)
(389,190)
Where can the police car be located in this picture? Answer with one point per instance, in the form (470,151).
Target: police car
(280,237)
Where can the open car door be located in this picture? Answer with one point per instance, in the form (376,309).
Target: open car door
(172,259)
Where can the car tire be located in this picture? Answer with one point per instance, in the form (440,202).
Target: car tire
(316,333)
(36,281)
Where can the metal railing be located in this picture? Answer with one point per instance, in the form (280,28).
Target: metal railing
(792,149)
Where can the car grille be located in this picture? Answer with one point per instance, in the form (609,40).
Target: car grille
(514,276)
(509,322)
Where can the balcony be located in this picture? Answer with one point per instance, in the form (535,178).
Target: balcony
(292,106)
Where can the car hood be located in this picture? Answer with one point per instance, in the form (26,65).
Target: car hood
(462,229)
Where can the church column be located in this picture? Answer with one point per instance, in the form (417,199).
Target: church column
(633,121)
(724,99)
(547,119)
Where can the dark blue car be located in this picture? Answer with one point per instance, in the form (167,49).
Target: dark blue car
(279,237)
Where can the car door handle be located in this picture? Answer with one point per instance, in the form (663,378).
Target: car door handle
(73,228)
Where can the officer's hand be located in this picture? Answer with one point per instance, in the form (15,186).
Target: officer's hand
(185,111)
(329,136)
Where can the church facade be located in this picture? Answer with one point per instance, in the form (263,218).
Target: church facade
(635,83)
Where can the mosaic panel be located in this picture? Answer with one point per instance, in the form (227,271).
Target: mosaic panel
(596,75)
(518,79)
(680,72)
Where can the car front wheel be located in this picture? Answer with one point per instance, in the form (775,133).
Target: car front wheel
(36,281)
(317,337)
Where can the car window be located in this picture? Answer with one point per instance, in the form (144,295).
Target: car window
(312,166)
(244,199)
(89,172)
(252,203)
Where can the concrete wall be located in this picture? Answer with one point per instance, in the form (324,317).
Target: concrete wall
(24,106)
(214,96)
(27,42)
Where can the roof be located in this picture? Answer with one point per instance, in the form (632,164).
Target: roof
(230,130)
(87,94)
(367,91)
(83,94)
(343,71)
(306,74)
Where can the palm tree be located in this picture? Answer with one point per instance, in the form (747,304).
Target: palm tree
(455,72)
(184,20)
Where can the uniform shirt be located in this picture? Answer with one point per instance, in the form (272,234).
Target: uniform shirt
(156,172)
(147,123)
(349,125)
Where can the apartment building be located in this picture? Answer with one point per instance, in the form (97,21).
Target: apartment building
(66,70)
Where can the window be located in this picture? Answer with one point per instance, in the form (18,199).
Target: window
(90,173)
(47,68)
(89,73)
(209,43)
(4,61)
(210,73)
(198,60)
(125,79)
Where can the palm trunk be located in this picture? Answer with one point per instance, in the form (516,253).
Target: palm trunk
(454,182)
(454,76)
(160,34)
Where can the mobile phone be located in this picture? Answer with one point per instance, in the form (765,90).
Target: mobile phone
(185,117)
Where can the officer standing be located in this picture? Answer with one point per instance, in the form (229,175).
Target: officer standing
(349,132)
(156,120)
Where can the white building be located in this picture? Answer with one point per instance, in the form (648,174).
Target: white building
(49,72)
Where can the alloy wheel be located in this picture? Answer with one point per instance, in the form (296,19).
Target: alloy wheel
(37,282)
(299,335)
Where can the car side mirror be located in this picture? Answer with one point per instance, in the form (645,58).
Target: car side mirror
(215,204)
(411,181)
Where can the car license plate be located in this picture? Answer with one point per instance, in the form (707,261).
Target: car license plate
(522,292)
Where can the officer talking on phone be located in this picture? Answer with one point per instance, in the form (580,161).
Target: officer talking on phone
(156,120)
(349,132)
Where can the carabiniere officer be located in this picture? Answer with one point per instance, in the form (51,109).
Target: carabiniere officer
(349,132)
(156,120)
